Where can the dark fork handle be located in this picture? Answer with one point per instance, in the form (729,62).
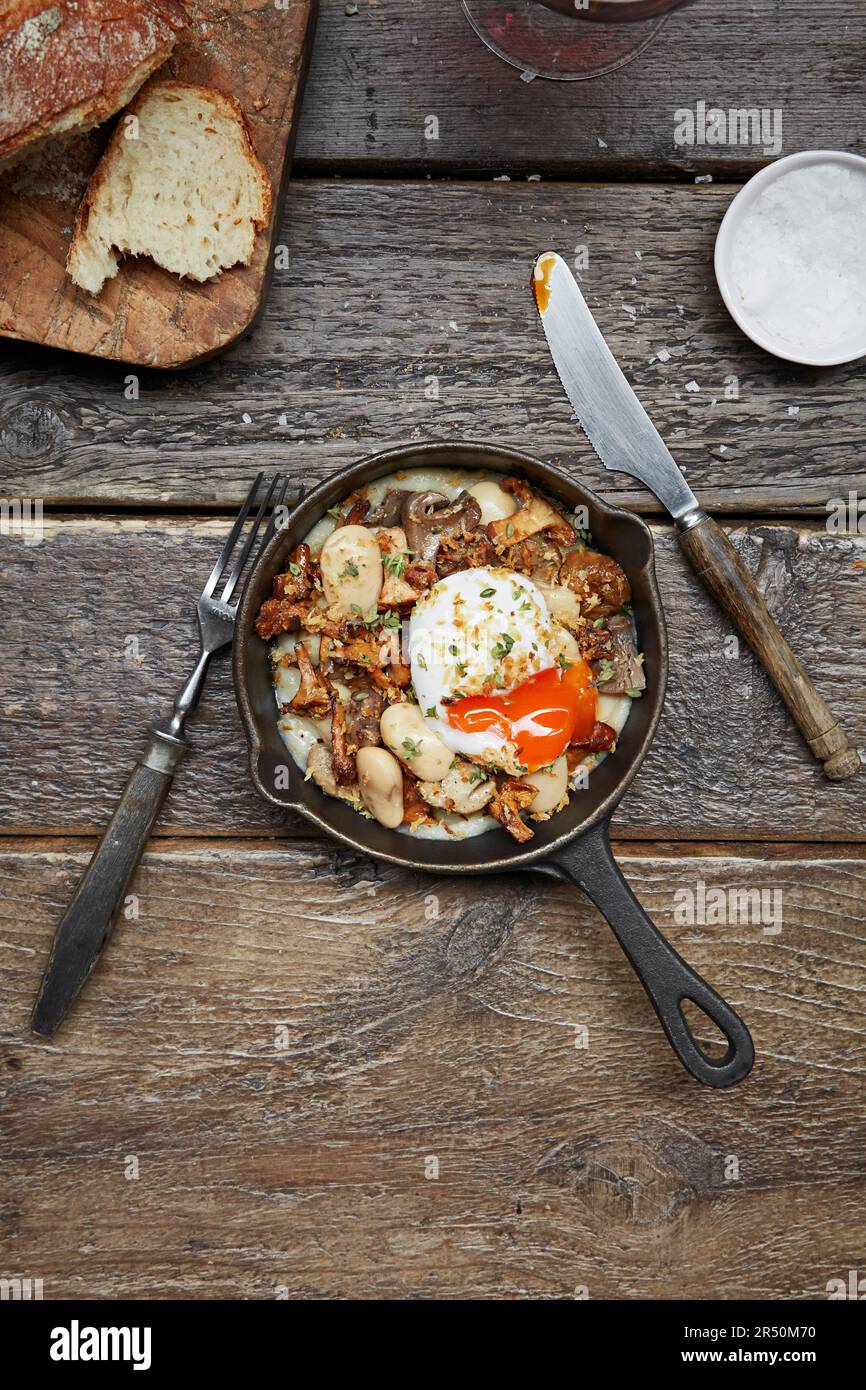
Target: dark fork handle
(90,917)
(716,562)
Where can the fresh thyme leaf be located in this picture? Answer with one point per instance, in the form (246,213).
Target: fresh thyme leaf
(351,570)
(503,646)
(431,712)
(477,774)
(509,530)
(487,593)
(605,671)
(564,662)
(396,563)
(410,748)
(599,622)
(422,663)
(454,649)
(294,569)
(635,694)
(335,512)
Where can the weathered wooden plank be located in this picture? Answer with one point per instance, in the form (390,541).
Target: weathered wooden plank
(99,630)
(378,76)
(395,292)
(273,1058)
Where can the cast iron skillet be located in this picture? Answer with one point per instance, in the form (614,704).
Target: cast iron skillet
(574,844)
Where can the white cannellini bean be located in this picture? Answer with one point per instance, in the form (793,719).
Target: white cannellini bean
(567,645)
(613,710)
(495,504)
(561,603)
(406,734)
(552,784)
(351,570)
(380,779)
(323,729)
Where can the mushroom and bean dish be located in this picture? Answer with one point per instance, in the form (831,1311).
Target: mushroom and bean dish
(450,652)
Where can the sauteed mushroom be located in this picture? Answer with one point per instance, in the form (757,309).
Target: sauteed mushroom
(427,517)
(387,513)
(597,579)
(314,697)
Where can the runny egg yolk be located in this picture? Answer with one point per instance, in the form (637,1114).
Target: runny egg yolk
(542,716)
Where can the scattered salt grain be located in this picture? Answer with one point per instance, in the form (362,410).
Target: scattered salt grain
(704,178)
(663,355)
(793,410)
(692,386)
(247,419)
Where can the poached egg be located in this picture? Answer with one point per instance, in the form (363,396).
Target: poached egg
(489,673)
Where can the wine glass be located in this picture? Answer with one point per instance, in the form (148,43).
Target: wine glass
(541,38)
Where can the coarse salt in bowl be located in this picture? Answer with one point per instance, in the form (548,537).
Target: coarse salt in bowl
(791,258)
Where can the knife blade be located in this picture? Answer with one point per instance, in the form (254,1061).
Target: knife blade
(626,441)
(612,417)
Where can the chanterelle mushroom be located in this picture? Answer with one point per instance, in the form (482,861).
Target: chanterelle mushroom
(314,697)
(427,517)
(512,797)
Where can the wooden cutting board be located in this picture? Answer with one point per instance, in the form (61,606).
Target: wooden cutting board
(249,48)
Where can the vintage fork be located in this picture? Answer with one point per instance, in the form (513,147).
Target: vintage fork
(90,917)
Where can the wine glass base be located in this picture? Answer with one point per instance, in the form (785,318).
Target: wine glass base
(541,43)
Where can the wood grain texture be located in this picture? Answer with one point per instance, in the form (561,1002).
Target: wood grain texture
(286,1038)
(376,78)
(257,53)
(397,291)
(716,561)
(100,630)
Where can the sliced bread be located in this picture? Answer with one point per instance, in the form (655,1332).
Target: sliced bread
(70,64)
(179,182)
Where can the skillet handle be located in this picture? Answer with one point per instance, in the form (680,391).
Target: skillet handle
(667,979)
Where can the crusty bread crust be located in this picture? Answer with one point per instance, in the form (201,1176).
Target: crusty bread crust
(70,64)
(105,170)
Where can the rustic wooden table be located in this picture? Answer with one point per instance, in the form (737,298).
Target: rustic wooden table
(298,1071)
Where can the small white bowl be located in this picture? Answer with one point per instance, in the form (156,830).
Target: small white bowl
(848,347)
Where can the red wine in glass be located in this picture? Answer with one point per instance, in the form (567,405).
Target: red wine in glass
(541,38)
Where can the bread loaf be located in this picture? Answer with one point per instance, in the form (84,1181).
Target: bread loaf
(179,182)
(70,64)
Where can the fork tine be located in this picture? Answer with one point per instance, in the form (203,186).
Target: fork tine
(271,527)
(237,568)
(232,540)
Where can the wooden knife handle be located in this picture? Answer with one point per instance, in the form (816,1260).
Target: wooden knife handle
(715,561)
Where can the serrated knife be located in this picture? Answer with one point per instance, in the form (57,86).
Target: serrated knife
(627,441)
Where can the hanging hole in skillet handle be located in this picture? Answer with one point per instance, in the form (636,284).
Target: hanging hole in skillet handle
(669,981)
